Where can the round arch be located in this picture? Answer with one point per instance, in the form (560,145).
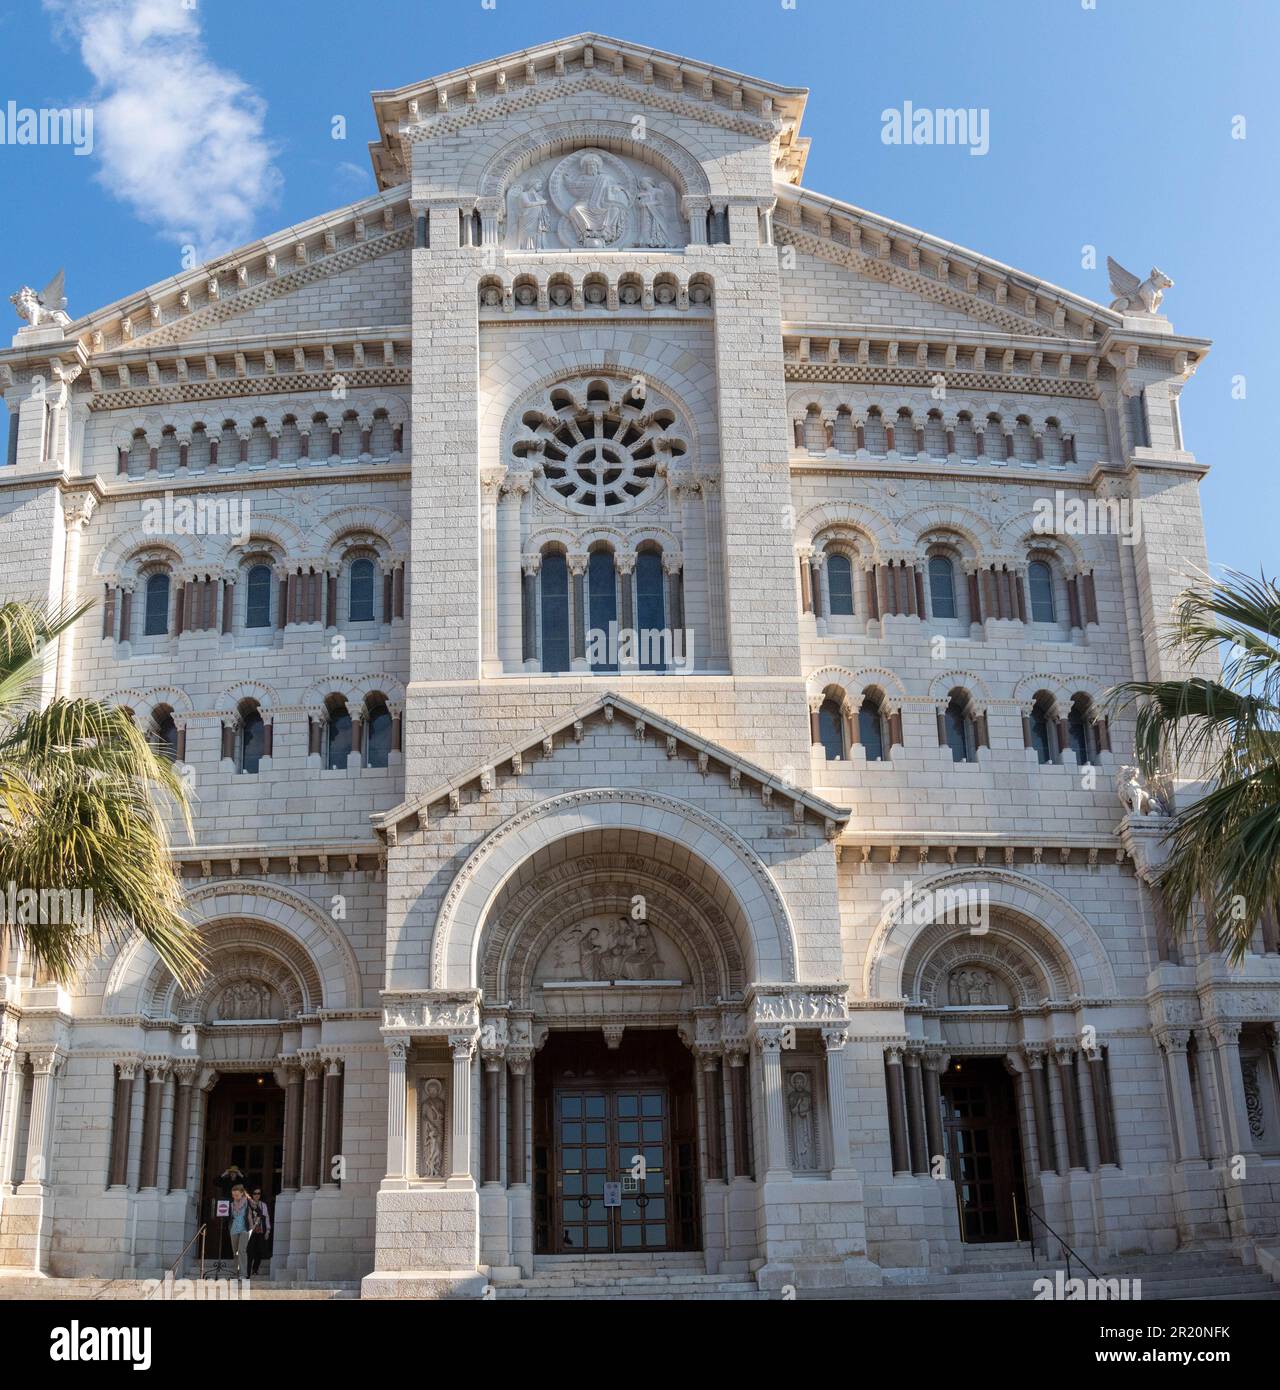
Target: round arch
(768,949)
(1068,952)
(290,927)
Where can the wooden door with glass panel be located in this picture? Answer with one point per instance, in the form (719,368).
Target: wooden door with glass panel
(605,1136)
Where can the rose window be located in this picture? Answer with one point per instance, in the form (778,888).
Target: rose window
(600,445)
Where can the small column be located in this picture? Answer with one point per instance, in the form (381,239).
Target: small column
(491,1079)
(739,1111)
(769,1047)
(462,1045)
(915,1114)
(935,1063)
(1173,1042)
(1206,1083)
(711,1109)
(1226,1039)
(291,1167)
(1101,1094)
(184,1076)
(153,1105)
(834,1040)
(578,611)
(1070,1107)
(330,1171)
(311,1111)
(126,1070)
(517,1070)
(898,1144)
(1064,1113)
(44,1072)
(397,1051)
(1040,1107)
(529,612)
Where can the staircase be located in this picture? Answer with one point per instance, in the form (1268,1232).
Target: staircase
(645,1276)
(1189,1274)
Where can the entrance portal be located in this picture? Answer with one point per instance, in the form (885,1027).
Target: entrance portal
(244,1128)
(984,1149)
(615,1144)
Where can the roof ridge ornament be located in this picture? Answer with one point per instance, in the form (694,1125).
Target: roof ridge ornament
(1136,297)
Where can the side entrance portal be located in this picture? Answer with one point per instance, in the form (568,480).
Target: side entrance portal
(984,1147)
(245,1130)
(615,1144)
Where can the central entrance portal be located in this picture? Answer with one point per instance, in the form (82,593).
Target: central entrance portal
(615,1147)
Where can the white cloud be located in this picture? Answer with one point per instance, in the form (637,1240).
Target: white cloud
(180,139)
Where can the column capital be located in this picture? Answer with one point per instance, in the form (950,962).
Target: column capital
(128,1064)
(768,1037)
(1173,1039)
(158,1068)
(397,1047)
(1035,1053)
(462,1045)
(1225,1033)
(833,1039)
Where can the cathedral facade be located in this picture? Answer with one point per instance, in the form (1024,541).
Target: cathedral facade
(636,633)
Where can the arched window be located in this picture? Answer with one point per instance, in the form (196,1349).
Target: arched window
(164,734)
(257,612)
(1042,733)
(555,612)
(958,727)
(377,738)
(360,605)
(831,728)
(871,730)
(651,610)
(337,735)
(942,587)
(602,609)
(1081,734)
(253,737)
(1040,583)
(840,583)
(156,618)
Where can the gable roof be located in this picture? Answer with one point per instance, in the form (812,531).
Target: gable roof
(610,704)
(770,110)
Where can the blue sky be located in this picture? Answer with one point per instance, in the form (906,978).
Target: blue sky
(1111,126)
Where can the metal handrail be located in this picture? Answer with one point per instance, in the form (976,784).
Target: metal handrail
(1067,1250)
(173,1268)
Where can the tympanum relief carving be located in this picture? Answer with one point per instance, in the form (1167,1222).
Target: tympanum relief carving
(593,200)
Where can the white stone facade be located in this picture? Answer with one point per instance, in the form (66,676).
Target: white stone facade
(595,354)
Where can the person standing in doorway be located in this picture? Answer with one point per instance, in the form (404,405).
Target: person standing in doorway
(261,1232)
(244,1222)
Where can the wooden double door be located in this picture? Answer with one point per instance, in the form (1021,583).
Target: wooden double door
(615,1158)
(984,1149)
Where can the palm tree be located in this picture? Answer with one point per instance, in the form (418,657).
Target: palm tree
(1225,847)
(82,801)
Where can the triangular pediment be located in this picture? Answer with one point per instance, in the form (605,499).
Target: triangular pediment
(609,708)
(587,62)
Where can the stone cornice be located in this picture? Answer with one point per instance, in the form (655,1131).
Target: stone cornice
(164,313)
(692,90)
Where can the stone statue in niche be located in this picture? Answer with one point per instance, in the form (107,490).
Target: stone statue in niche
(532,222)
(245,999)
(972,985)
(800,1120)
(431,1130)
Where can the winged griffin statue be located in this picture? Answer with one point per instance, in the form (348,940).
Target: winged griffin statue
(49,306)
(1134,296)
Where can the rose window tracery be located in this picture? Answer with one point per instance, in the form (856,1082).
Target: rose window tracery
(598,446)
